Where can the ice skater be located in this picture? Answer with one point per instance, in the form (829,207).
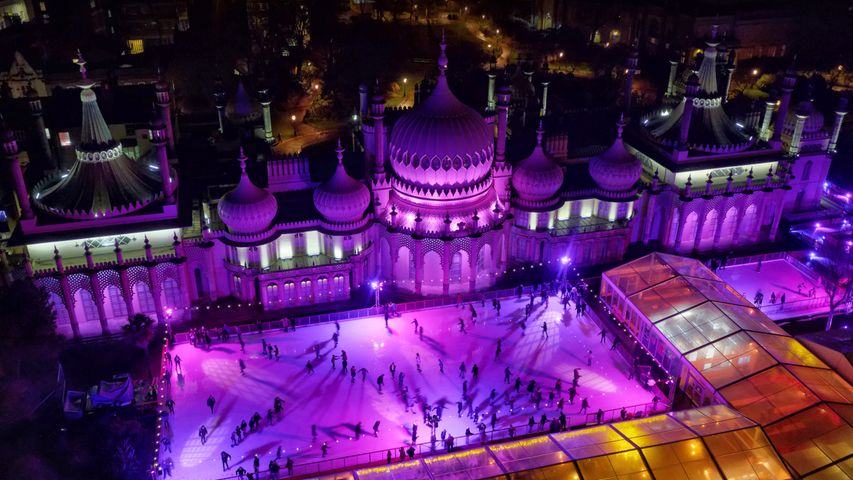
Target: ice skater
(441,366)
(507,375)
(584,405)
(363,372)
(393,369)
(310,368)
(334,359)
(202,434)
(603,335)
(178,369)
(242,367)
(226,457)
(376,428)
(589,358)
(421,332)
(498,349)
(211,402)
(380,380)
(462,370)
(352,373)
(462,325)
(545,329)
(415,323)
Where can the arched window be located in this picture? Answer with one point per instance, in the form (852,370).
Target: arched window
(412,267)
(62,317)
(272,294)
(456,268)
(172,293)
(117,305)
(143,296)
(322,289)
(289,293)
(338,286)
(87,305)
(238,286)
(306,294)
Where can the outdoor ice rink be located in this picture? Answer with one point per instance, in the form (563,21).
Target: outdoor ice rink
(330,400)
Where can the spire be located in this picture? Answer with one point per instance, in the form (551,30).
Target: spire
(620,125)
(340,151)
(242,159)
(539,133)
(442,59)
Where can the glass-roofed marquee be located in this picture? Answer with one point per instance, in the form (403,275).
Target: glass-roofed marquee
(722,350)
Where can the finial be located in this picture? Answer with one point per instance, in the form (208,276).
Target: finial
(750,172)
(86,249)
(620,125)
(770,171)
(242,159)
(539,133)
(147,243)
(710,178)
(690,180)
(442,58)
(175,236)
(731,173)
(340,152)
(55,252)
(81,62)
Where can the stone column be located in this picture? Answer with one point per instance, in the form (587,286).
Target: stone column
(670,84)
(544,110)
(264,296)
(265,102)
(840,112)
(700,224)
(419,266)
(777,218)
(10,151)
(98,297)
(445,268)
(164,104)
(680,229)
(797,134)
(727,75)
(68,300)
(473,255)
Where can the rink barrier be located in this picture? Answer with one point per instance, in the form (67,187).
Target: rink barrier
(323,318)
(426,449)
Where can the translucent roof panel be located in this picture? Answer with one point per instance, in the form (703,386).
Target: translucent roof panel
(696,327)
(687,460)
(711,419)
(668,298)
(750,318)
(812,439)
(564,471)
(719,291)
(827,384)
(591,442)
(623,466)
(687,266)
(640,274)
(530,453)
(768,396)
(468,464)
(729,359)
(843,470)
(746,454)
(788,350)
(655,430)
(414,470)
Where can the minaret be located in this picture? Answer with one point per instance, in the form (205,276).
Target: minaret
(377,113)
(630,69)
(765,132)
(504,96)
(797,134)
(159,138)
(219,99)
(264,98)
(544,110)
(362,102)
(164,104)
(16,173)
(490,97)
(788,83)
(727,75)
(38,125)
(840,112)
(689,94)
(673,70)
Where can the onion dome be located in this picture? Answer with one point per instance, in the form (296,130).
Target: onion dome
(247,208)
(814,119)
(103,181)
(615,169)
(341,199)
(537,177)
(442,143)
(242,108)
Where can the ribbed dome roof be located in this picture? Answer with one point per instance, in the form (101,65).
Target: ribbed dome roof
(537,177)
(341,198)
(616,169)
(814,119)
(247,208)
(442,143)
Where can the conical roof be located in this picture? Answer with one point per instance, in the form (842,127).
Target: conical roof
(341,198)
(242,108)
(537,177)
(247,208)
(103,180)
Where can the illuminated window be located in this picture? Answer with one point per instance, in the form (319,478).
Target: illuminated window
(64,139)
(172,292)
(47,133)
(119,308)
(136,46)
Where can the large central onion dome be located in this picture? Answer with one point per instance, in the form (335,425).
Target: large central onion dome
(615,169)
(442,143)
(247,208)
(537,177)
(341,199)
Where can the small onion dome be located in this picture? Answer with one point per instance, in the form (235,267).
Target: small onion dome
(537,177)
(247,208)
(616,169)
(341,198)
(814,119)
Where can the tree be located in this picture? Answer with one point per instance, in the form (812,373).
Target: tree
(27,317)
(835,266)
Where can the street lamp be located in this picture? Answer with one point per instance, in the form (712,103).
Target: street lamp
(169,312)
(405,81)
(293,124)
(377,287)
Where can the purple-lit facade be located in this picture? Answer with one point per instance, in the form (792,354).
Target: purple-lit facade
(442,210)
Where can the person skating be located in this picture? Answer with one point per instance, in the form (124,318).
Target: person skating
(335,339)
(393,369)
(589,358)
(234,442)
(411,452)
(475,371)
(325,449)
(440,366)
(421,332)
(289,466)
(276,353)
(545,329)
(623,414)
(202,434)
(310,368)
(494,420)
(178,369)
(380,380)
(599,416)
(572,394)
(316,351)
(334,359)
(517,385)
(415,323)
(376,428)
(256,463)
(603,335)
(242,366)
(274,468)
(530,423)
(357,430)
(241,472)
(402,454)
(584,405)
(462,325)
(278,453)
(498,349)
(465,388)
(543,420)
(226,457)
(388,458)
(507,375)
(564,423)
(462,370)
(210,403)
(352,373)
(363,372)
(170,404)
(616,342)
